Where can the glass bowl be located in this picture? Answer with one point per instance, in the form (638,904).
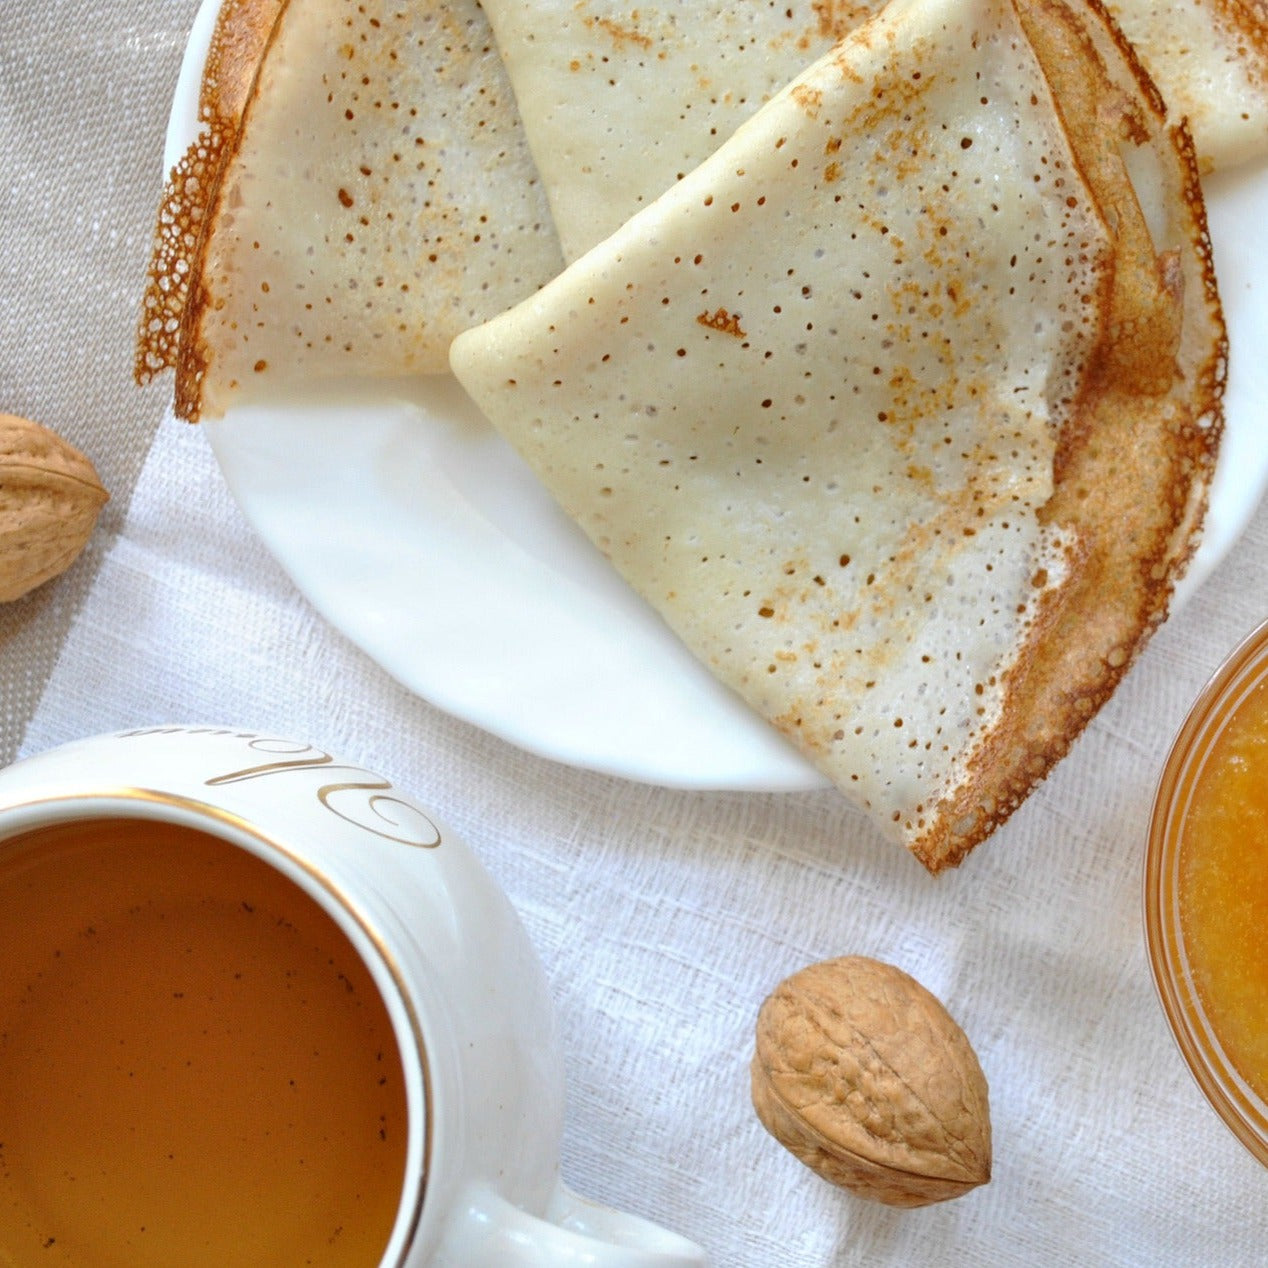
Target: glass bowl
(1242,1108)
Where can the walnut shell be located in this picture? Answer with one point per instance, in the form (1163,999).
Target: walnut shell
(865,1077)
(49,500)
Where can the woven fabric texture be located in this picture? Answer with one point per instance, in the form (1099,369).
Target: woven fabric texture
(663,916)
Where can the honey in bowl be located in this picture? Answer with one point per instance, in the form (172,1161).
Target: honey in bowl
(196,1066)
(1223,887)
(1206,891)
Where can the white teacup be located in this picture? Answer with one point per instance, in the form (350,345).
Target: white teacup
(462,991)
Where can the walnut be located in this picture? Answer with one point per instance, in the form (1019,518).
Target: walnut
(865,1077)
(49,500)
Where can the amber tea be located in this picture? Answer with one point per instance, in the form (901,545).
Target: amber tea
(196,1066)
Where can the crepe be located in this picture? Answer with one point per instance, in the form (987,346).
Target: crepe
(361,191)
(901,408)
(1209,59)
(621,102)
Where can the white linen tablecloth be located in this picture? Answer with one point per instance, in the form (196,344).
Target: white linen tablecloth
(663,917)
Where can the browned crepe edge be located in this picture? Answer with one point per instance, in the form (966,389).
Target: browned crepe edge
(174,299)
(242,32)
(1132,470)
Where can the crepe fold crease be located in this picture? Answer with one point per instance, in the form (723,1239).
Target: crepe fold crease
(901,407)
(619,102)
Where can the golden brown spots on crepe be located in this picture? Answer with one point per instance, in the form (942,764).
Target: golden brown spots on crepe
(724,322)
(838,17)
(620,32)
(299,236)
(925,411)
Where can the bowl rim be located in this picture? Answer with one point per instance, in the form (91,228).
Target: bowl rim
(1243,1110)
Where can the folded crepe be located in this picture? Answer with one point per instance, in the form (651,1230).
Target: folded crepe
(361,191)
(621,102)
(902,407)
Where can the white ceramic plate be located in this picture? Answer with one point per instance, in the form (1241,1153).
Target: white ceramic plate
(417,532)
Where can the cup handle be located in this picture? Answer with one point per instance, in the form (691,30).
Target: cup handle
(487,1231)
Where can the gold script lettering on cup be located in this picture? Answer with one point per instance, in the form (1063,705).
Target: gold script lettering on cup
(363,802)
